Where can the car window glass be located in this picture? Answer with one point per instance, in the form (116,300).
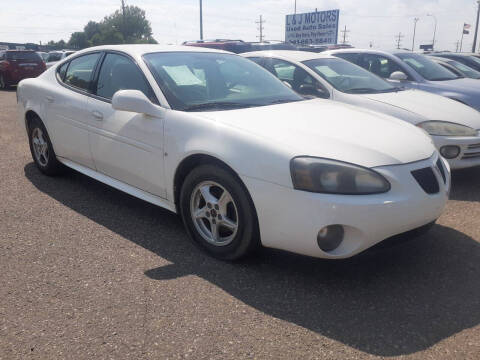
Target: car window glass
(54,57)
(427,68)
(257,60)
(347,77)
(79,73)
(292,74)
(214,81)
(465,69)
(120,73)
(379,65)
(62,71)
(23,55)
(352,57)
(2,56)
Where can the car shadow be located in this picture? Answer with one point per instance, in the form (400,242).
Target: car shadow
(466,184)
(393,301)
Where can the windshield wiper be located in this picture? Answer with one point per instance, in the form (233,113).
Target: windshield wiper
(218,105)
(362,90)
(284,101)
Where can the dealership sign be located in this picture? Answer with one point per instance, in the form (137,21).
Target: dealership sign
(316,28)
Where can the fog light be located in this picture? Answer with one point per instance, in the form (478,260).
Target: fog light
(330,237)
(450,151)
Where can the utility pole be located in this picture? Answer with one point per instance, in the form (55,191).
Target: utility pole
(345,32)
(201,21)
(434,30)
(295,7)
(461,40)
(474,47)
(399,38)
(457,45)
(414,32)
(260,28)
(124,24)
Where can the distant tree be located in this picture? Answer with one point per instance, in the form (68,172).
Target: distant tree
(91,29)
(78,40)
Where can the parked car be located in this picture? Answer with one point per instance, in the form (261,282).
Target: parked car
(43,55)
(457,67)
(218,139)
(415,71)
(468,59)
(454,127)
(322,48)
(16,65)
(235,46)
(56,56)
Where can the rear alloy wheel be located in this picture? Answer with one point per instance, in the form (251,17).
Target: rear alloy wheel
(218,213)
(42,149)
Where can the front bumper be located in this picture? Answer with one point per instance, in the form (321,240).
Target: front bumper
(290,219)
(469,150)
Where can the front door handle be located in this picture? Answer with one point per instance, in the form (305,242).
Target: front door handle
(97,115)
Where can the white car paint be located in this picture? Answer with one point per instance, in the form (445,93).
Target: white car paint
(139,154)
(413,106)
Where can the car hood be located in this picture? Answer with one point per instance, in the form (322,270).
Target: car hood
(429,106)
(324,128)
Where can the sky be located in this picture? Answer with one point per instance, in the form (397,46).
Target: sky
(174,21)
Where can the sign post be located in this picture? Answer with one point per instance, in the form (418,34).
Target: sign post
(313,28)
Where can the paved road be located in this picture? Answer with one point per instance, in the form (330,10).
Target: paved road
(89,272)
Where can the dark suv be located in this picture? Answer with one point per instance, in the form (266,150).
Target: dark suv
(16,65)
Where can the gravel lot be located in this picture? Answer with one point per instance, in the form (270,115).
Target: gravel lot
(89,272)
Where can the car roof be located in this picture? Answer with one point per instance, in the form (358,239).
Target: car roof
(294,55)
(366,51)
(141,49)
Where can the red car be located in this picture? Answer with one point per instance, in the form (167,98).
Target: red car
(16,65)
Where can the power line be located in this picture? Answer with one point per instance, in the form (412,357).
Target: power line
(260,28)
(345,32)
(399,38)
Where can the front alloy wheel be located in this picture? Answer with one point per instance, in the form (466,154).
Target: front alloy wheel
(214,213)
(42,149)
(218,212)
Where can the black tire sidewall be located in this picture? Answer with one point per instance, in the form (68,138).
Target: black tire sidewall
(246,239)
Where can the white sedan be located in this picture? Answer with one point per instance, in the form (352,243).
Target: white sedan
(243,158)
(453,126)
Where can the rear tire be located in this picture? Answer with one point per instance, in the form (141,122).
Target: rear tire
(3,83)
(218,213)
(42,150)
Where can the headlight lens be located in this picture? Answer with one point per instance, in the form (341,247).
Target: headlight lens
(335,177)
(444,128)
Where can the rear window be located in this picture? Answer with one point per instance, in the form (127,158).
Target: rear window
(23,55)
(54,57)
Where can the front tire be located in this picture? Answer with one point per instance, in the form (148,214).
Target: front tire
(42,150)
(218,213)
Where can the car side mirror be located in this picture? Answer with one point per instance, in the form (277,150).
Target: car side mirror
(135,101)
(312,90)
(398,76)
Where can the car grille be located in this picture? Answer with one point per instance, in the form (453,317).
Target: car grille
(427,180)
(442,170)
(472,154)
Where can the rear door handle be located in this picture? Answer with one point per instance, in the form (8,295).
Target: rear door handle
(50,99)
(97,115)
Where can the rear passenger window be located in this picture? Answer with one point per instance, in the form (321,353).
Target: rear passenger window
(120,73)
(79,73)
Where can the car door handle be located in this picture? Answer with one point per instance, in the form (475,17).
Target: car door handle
(50,99)
(97,115)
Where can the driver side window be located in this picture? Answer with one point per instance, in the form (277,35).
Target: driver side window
(379,65)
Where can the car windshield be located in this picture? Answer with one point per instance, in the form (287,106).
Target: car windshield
(427,68)
(347,77)
(471,73)
(195,81)
(23,55)
(474,59)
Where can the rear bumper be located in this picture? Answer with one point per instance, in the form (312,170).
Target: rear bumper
(290,219)
(13,78)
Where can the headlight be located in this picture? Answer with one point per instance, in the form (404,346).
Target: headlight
(444,128)
(335,177)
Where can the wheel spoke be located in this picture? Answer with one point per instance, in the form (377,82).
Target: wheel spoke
(207,195)
(229,224)
(201,213)
(214,229)
(224,200)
